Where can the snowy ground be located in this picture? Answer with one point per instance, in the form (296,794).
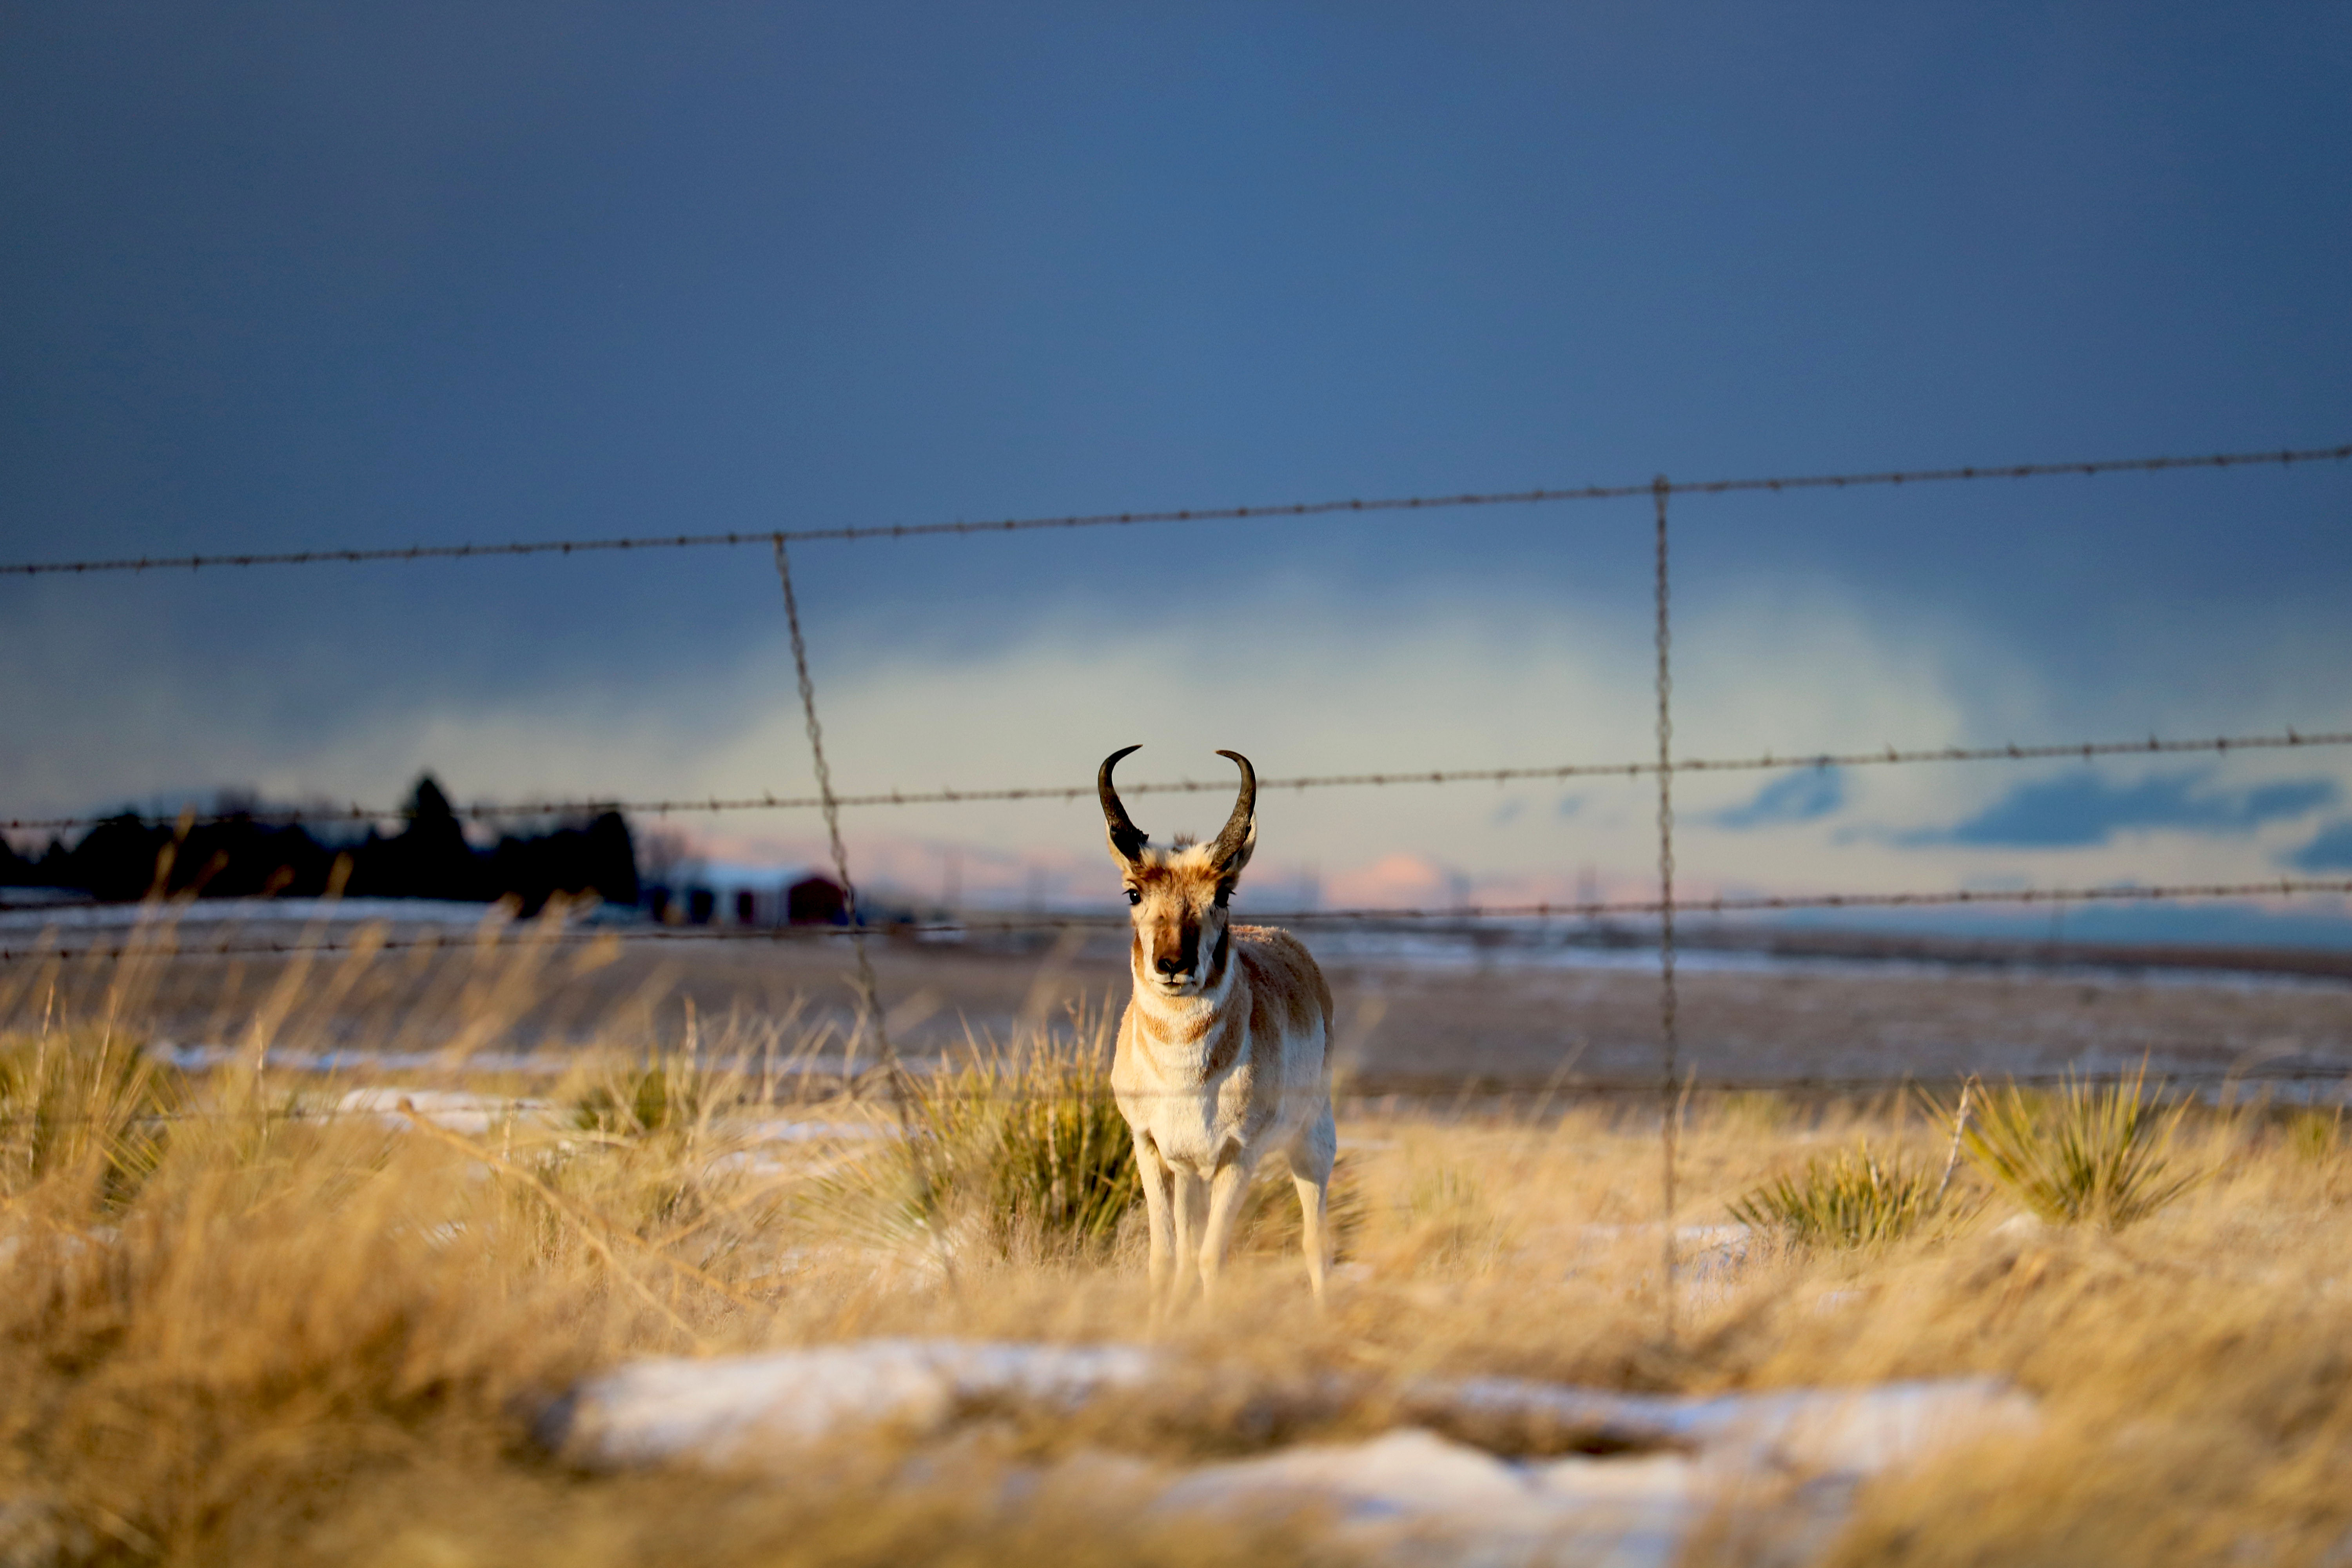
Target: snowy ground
(212,914)
(1780,1468)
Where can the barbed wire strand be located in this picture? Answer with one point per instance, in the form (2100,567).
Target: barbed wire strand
(2289,739)
(1590,911)
(1669,1068)
(1129,518)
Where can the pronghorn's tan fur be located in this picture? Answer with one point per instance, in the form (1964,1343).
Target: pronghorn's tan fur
(1223,1052)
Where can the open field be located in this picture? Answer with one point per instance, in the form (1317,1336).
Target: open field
(238,1328)
(1417,1015)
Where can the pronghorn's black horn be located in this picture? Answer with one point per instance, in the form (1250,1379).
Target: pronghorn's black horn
(1233,845)
(1125,836)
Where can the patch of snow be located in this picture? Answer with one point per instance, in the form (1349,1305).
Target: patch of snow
(726,1410)
(763,1161)
(203,1057)
(454,1109)
(69,1244)
(814,1132)
(1710,1259)
(1414,1496)
(274,912)
(1860,1430)
(1692,1239)
(1782,1466)
(749,1162)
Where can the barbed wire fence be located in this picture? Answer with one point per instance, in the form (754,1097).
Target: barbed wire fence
(168,942)
(355,814)
(1671,1085)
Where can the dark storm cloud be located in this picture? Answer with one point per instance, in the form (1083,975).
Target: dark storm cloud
(1806,796)
(2331,851)
(2085,810)
(284,275)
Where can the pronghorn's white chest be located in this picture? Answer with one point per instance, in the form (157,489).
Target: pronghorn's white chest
(1211,1078)
(1171,1085)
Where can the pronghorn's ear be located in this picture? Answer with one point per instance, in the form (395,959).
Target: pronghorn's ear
(1238,840)
(1230,863)
(1127,840)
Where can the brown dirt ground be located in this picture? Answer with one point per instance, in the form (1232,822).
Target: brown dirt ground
(1498,1022)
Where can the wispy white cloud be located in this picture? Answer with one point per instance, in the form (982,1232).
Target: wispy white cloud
(1303,685)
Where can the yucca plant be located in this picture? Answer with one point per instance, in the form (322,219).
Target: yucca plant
(2083,1154)
(1852,1199)
(1028,1139)
(1064,1159)
(2316,1136)
(83,1105)
(671,1089)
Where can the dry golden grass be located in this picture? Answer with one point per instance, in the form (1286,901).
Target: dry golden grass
(234,1329)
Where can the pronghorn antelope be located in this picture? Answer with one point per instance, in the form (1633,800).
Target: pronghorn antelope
(1224,1055)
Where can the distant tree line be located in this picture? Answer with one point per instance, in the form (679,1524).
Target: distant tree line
(127,858)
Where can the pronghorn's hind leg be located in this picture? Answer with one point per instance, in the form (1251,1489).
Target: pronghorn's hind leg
(1312,1155)
(1314,1227)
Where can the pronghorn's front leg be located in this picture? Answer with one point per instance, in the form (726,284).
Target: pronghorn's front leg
(1159,1205)
(1191,1206)
(1226,1190)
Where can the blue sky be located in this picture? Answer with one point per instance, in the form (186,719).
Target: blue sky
(282,276)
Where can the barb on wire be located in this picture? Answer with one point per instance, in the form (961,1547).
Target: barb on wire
(166,946)
(2290,738)
(316,557)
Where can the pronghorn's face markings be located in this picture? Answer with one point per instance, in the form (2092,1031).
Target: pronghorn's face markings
(1177,897)
(1177,907)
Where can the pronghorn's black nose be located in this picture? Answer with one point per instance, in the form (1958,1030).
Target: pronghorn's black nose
(1172,964)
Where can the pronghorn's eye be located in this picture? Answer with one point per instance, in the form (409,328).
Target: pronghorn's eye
(1134,895)
(1222,894)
